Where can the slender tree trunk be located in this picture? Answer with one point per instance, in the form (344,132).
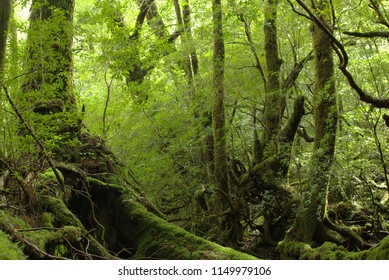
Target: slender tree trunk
(5,13)
(189,52)
(218,115)
(274,99)
(313,207)
(218,123)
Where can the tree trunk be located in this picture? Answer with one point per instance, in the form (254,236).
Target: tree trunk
(218,115)
(313,207)
(5,13)
(274,98)
(228,226)
(190,54)
(47,101)
(137,71)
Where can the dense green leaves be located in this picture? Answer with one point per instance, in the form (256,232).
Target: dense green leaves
(132,78)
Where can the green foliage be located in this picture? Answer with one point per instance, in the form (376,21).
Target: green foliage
(157,124)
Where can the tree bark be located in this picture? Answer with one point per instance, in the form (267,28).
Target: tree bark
(218,114)
(190,54)
(50,55)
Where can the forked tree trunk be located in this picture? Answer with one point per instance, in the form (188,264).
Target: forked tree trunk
(272,150)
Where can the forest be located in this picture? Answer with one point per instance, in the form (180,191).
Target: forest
(194,129)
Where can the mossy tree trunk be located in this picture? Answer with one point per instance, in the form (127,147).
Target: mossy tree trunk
(274,98)
(228,227)
(313,207)
(218,114)
(46,99)
(5,14)
(276,139)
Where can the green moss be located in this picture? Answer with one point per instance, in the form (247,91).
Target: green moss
(9,250)
(61,212)
(47,219)
(379,252)
(43,238)
(71,234)
(60,250)
(103,185)
(155,238)
(294,249)
(331,251)
(49,175)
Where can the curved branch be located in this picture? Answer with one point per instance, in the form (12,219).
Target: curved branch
(343,58)
(257,65)
(297,12)
(288,132)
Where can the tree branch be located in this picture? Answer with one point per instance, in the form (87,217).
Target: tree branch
(371,34)
(290,80)
(247,31)
(288,132)
(140,19)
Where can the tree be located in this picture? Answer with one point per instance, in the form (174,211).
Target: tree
(313,207)
(272,150)
(312,222)
(229,228)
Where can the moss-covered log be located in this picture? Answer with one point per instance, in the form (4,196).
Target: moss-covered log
(95,218)
(331,251)
(155,238)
